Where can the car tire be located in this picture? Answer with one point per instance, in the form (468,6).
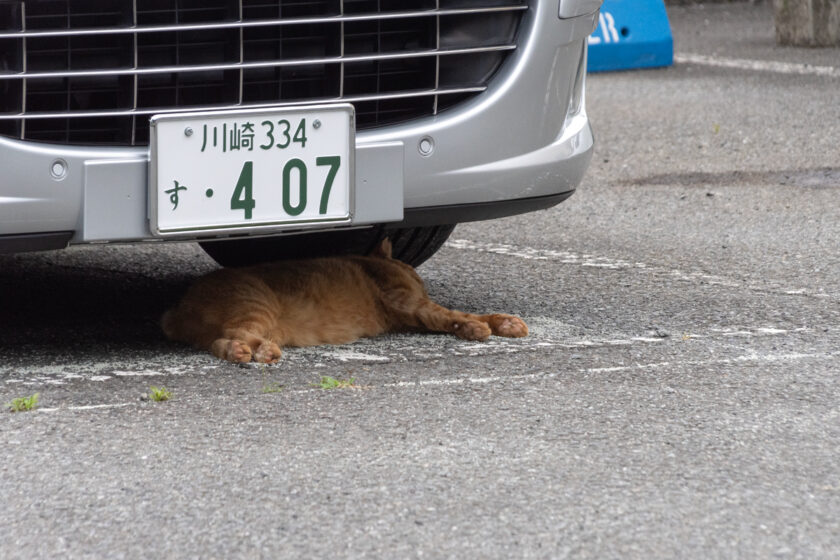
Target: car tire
(410,245)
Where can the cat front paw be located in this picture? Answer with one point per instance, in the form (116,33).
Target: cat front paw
(508,325)
(267,353)
(238,351)
(471,330)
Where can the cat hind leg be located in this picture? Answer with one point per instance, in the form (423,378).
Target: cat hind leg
(437,318)
(467,325)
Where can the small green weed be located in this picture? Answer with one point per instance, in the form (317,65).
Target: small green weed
(328,382)
(272,388)
(22,404)
(269,387)
(159,394)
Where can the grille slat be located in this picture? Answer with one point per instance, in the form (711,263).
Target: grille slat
(180,69)
(93,72)
(24,66)
(437,62)
(311,101)
(244,24)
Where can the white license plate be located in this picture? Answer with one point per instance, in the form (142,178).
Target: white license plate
(251,170)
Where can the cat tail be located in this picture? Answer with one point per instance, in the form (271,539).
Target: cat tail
(383,250)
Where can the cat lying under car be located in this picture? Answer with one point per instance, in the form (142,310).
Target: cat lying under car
(244,314)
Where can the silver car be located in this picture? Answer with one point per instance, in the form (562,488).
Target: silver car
(275,129)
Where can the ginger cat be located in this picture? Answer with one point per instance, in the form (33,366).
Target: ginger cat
(250,313)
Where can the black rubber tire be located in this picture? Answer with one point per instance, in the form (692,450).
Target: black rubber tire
(417,245)
(411,245)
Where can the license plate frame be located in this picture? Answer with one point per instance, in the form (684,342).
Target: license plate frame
(277,147)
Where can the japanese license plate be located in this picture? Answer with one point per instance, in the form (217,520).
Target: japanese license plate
(251,170)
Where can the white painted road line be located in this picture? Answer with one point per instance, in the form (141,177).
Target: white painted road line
(607,263)
(529,253)
(749,358)
(85,407)
(752,358)
(757,65)
(546,334)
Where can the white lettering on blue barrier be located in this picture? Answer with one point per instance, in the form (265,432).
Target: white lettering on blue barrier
(606,25)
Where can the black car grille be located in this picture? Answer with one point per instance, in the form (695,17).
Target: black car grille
(93,71)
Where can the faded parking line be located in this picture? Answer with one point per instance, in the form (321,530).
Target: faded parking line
(747,358)
(546,334)
(758,65)
(85,407)
(752,358)
(593,261)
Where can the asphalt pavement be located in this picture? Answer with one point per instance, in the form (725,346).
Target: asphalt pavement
(678,396)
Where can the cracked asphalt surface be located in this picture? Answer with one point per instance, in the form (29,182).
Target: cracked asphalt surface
(677,397)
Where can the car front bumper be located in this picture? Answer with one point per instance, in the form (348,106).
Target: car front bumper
(527,138)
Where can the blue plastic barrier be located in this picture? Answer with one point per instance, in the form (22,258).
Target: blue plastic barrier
(631,34)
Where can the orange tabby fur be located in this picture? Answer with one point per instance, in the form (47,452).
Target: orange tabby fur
(250,313)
